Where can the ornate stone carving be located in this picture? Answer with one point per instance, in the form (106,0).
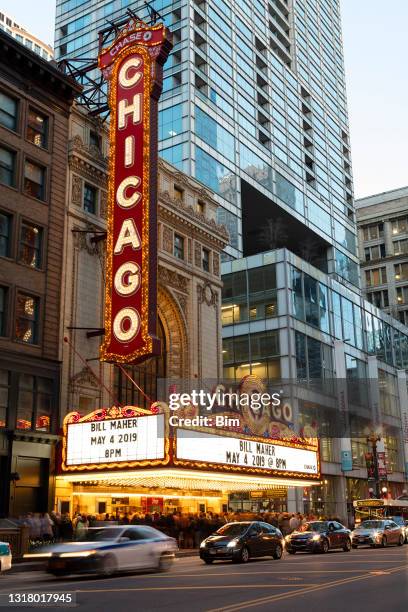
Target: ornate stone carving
(84,378)
(173,279)
(76,191)
(197,254)
(216,264)
(104,204)
(182,300)
(92,152)
(167,239)
(206,295)
(82,239)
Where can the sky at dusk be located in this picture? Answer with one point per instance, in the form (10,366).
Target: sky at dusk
(376,52)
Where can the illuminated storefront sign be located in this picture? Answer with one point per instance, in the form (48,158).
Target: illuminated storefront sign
(133,66)
(206,450)
(118,438)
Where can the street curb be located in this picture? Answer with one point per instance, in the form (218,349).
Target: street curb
(38,566)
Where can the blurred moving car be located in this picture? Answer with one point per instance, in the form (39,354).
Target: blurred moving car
(240,541)
(5,556)
(318,536)
(376,532)
(108,550)
(403,523)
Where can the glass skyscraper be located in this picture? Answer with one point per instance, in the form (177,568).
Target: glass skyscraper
(254,106)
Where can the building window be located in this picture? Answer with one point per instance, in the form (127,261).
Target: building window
(7,167)
(376,276)
(90,198)
(27,318)
(178,193)
(8,112)
(34,403)
(401,271)
(201,207)
(399,226)
(401,247)
(3,312)
(94,140)
(206,260)
(402,295)
(30,245)
(378,298)
(4,396)
(37,128)
(178,246)
(373,231)
(375,252)
(5,234)
(34,180)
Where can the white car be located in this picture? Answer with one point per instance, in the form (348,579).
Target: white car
(107,550)
(5,557)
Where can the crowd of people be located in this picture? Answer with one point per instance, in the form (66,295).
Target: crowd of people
(188,529)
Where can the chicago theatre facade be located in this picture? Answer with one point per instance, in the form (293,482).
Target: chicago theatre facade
(121,451)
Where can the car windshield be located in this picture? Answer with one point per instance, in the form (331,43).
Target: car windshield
(313,527)
(104,533)
(233,529)
(371,524)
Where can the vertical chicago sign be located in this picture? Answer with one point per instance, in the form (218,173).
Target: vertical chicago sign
(133,66)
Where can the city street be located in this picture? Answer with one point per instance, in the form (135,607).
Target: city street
(335,582)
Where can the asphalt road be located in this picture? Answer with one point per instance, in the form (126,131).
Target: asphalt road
(358,581)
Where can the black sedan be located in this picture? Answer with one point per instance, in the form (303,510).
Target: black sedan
(240,541)
(319,536)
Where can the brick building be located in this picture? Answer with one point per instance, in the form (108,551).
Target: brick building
(35,100)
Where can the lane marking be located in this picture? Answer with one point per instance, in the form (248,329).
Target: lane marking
(301,591)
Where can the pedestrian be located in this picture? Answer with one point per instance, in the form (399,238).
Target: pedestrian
(46,526)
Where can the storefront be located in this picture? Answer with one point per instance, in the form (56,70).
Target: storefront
(128,460)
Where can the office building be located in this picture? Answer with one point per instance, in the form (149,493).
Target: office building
(35,99)
(382,220)
(24,37)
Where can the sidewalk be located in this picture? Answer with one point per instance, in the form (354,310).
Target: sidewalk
(37,566)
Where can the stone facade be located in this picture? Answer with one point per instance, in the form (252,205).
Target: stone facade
(35,106)
(189,282)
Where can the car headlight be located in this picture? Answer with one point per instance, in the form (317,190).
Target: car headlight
(316,537)
(81,553)
(376,534)
(203,543)
(233,543)
(287,538)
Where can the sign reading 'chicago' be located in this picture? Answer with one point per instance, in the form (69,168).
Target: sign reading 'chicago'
(133,65)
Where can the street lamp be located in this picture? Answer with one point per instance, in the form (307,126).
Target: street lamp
(373,438)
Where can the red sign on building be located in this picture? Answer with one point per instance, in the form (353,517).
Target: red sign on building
(133,65)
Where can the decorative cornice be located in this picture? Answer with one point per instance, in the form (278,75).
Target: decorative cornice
(92,153)
(196,219)
(88,171)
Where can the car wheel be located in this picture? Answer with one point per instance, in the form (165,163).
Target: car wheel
(277,553)
(324,546)
(384,542)
(208,561)
(401,540)
(109,565)
(347,546)
(165,563)
(244,555)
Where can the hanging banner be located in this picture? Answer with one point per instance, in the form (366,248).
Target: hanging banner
(133,67)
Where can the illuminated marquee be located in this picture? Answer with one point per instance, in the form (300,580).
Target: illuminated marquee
(126,437)
(133,65)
